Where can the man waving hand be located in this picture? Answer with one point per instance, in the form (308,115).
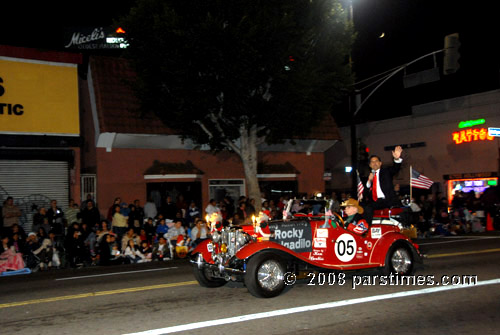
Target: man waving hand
(380,184)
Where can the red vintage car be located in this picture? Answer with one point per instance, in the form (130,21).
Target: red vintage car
(262,254)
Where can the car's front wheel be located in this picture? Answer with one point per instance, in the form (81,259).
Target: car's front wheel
(264,276)
(205,278)
(399,260)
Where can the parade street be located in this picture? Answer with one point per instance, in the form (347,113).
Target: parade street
(163,297)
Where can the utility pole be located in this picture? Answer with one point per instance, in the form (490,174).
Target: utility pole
(355,101)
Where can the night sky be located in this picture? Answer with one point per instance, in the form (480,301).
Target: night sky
(412,28)
(416,27)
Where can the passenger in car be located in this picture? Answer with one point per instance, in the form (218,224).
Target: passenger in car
(354,221)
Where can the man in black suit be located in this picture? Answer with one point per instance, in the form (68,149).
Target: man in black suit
(381,189)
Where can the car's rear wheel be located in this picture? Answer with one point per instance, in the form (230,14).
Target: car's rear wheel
(264,276)
(399,260)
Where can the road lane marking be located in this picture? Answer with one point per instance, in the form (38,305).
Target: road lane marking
(115,273)
(463,239)
(309,308)
(96,294)
(461,253)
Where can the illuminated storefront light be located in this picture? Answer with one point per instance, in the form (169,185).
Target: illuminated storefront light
(471,135)
(466,185)
(470,123)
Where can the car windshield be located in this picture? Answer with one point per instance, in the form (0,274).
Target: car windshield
(308,207)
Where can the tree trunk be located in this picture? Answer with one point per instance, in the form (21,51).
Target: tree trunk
(248,154)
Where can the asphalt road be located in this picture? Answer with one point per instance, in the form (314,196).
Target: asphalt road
(160,298)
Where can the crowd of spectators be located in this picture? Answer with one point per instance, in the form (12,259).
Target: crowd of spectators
(129,233)
(433,215)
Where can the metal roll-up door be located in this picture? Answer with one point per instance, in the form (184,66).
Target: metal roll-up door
(33,183)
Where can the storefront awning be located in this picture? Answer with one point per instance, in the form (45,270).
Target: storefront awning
(165,170)
(285,170)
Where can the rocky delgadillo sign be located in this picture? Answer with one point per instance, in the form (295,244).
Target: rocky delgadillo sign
(295,235)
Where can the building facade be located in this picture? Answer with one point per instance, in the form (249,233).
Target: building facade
(39,128)
(131,154)
(446,141)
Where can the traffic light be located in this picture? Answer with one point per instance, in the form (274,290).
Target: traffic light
(363,153)
(451,54)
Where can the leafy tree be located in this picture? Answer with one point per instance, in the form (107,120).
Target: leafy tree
(235,73)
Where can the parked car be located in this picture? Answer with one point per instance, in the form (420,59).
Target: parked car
(261,254)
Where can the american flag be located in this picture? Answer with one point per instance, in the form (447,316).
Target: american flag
(361,188)
(419,180)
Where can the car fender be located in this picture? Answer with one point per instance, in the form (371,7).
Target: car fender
(268,246)
(386,241)
(202,249)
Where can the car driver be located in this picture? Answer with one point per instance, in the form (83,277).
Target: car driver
(354,220)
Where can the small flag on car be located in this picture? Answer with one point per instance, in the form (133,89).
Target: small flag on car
(418,180)
(361,187)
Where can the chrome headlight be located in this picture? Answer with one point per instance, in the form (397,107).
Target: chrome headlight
(216,236)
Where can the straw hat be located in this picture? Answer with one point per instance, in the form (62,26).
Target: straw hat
(352,202)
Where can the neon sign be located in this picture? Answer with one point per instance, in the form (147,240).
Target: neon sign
(471,135)
(470,123)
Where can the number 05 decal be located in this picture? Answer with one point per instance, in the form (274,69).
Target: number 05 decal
(345,247)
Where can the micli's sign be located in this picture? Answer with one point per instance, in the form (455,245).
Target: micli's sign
(94,38)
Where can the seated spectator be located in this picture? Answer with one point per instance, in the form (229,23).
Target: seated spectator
(17,243)
(179,217)
(132,252)
(458,222)
(10,260)
(90,241)
(75,249)
(174,232)
(109,253)
(130,235)
(199,233)
(103,231)
(150,229)
(146,250)
(30,246)
(161,251)
(161,228)
(423,226)
(45,226)
(178,240)
(57,250)
(44,252)
(16,229)
(443,223)
(71,229)
(143,236)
